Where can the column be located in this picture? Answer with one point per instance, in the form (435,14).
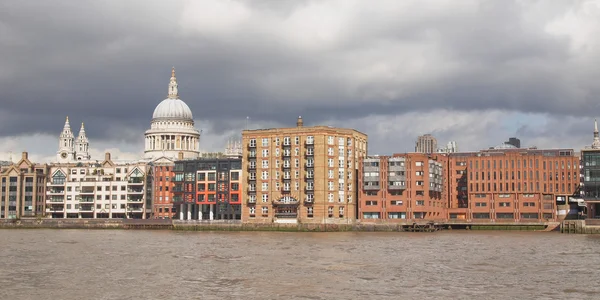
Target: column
(180,211)
(189,211)
(211,214)
(200,211)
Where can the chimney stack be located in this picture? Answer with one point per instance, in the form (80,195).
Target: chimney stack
(25,155)
(300,122)
(180,155)
(107,156)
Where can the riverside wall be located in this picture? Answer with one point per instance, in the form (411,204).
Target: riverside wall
(237,225)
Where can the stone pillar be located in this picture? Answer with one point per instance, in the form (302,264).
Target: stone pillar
(180,211)
(200,211)
(211,214)
(189,211)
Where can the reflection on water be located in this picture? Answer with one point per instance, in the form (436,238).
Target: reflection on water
(94,264)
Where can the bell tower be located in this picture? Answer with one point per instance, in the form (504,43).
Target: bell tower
(66,151)
(82,145)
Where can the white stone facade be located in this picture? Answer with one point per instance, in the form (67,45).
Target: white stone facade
(99,190)
(172,128)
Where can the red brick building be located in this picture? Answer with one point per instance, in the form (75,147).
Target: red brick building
(162,207)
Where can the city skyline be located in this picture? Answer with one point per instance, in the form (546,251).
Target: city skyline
(526,71)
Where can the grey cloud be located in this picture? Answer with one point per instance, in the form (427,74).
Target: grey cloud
(107,63)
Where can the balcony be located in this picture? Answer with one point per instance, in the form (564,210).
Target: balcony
(252,154)
(396,187)
(397,178)
(87,191)
(135,191)
(135,200)
(252,166)
(52,209)
(371,187)
(309,188)
(135,181)
(55,192)
(251,201)
(287,153)
(251,189)
(308,202)
(310,165)
(86,200)
(87,208)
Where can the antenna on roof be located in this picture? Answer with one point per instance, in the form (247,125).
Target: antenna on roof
(247,120)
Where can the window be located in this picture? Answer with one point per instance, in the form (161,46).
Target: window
(265,153)
(419,173)
(252,142)
(309,212)
(265,142)
(252,211)
(330,211)
(265,198)
(420,202)
(341,211)
(265,210)
(310,140)
(265,186)
(330,140)
(265,164)
(396,202)
(419,163)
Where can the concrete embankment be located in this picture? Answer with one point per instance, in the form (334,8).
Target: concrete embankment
(237,225)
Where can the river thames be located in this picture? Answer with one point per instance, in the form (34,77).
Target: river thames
(121,264)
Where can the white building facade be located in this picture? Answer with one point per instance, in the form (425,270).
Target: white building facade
(99,190)
(172,128)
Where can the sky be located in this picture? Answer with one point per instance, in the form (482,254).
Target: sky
(472,71)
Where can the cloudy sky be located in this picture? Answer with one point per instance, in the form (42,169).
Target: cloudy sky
(475,72)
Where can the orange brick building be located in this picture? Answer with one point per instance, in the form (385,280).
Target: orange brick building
(495,185)
(516,185)
(402,187)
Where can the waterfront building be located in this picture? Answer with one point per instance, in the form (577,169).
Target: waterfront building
(106,189)
(208,188)
(162,206)
(402,187)
(426,144)
(301,174)
(172,128)
(23,187)
(590,185)
(71,149)
(510,184)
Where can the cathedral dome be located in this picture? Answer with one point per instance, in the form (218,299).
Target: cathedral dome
(173,109)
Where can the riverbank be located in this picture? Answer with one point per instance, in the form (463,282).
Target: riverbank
(237,225)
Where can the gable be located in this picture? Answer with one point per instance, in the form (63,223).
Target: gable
(59,173)
(136,172)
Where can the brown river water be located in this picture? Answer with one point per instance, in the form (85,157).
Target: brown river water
(121,264)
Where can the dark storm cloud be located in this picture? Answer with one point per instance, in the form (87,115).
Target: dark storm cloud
(108,63)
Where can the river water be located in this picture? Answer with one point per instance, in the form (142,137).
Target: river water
(122,264)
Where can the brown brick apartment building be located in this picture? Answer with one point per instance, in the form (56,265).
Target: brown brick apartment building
(402,187)
(23,189)
(510,184)
(301,174)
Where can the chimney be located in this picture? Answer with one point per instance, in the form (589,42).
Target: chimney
(180,155)
(25,155)
(299,123)
(107,156)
